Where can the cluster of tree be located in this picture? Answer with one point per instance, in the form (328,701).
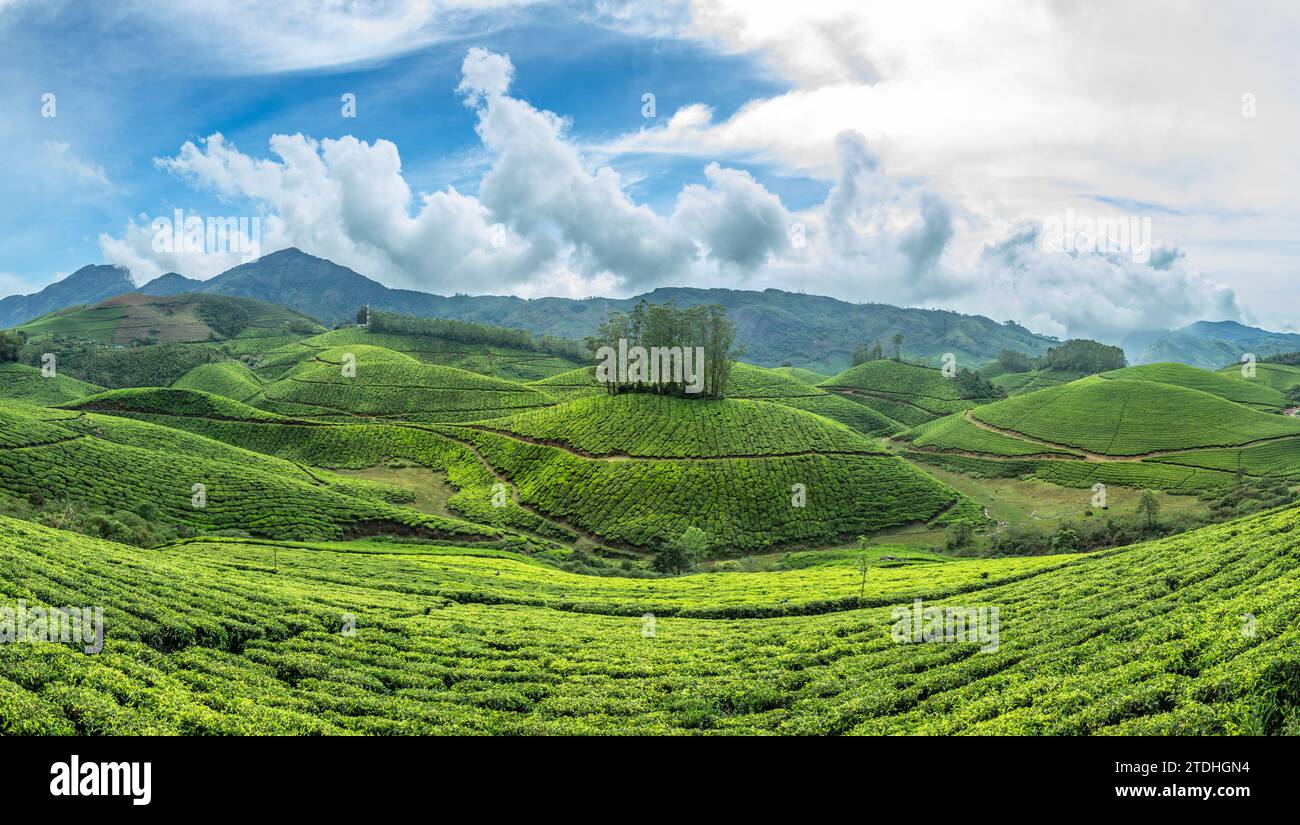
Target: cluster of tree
(116,367)
(1078,355)
(667,335)
(862,353)
(11,345)
(971,384)
(1014,361)
(226,318)
(468,332)
(681,554)
(1290,359)
(1082,355)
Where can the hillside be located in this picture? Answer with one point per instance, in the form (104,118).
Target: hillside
(1142,640)
(19,382)
(810,331)
(904,392)
(748,382)
(639,470)
(114,462)
(1207,344)
(134,317)
(1232,387)
(88,285)
(1280,377)
(388,384)
(1118,430)
(232,379)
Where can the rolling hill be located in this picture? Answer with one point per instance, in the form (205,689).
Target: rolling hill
(19,382)
(135,317)
(638,470)
(368,381)
(903,392)
(1118,429)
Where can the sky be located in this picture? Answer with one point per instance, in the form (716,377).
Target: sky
(981,157)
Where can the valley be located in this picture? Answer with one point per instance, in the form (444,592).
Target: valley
(427,526)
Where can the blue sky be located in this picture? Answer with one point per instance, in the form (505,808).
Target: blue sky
(856,149)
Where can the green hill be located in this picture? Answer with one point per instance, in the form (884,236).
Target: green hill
(1281,377)
(115,462)
(207,639)
(232,379)
(136,317)
(1020,383)
(1117,431)
(641,469)
(903,392)
(800,374)
(1233,388)
(1122,417)
(389,384)
(19,382)
(511,363)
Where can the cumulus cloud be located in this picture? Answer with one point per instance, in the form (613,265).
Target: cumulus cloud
(738,222)
(546,220)
(1093,294)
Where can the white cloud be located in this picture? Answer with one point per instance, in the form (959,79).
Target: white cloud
(546,222)
(253,37)
(60,156)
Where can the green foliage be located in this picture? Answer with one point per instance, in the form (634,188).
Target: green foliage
(148,366)
(207,639)
(1014,361)
(1082,355)
(467,332)
(227,318)
(664,326)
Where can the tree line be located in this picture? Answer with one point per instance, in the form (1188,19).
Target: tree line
(1077,355)
(468,332)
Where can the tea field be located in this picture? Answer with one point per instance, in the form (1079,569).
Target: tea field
(1191,635)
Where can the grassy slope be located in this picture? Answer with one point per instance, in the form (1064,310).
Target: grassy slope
(1231,387)
(729,468)
(19,382)
(904,392)
(204,638)
(395,385)
(117,462)
(229,378)
(1120,417)
(1281,377)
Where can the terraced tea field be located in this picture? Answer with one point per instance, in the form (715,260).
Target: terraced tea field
(382,383)
(1180,434)
(902,392)
(1191,635)
(19,382)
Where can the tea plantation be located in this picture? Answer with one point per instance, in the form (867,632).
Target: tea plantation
(1191,635)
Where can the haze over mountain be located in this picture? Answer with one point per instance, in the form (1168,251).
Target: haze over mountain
(1206,344)
(87,285)
(774,326)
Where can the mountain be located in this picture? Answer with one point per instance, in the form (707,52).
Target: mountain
(774,327)
(1206,344)
(173,283)
(88,285)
